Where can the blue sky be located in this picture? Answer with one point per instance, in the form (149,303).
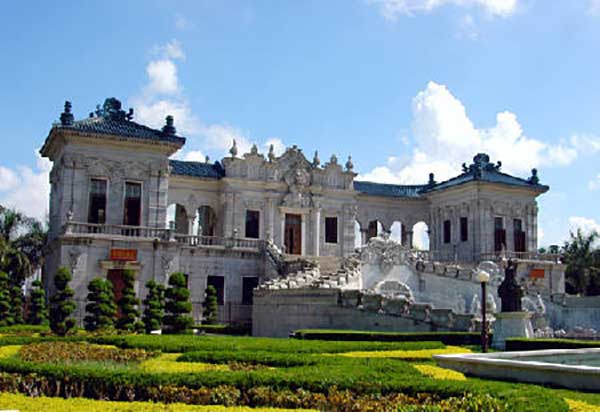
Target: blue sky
(404,86)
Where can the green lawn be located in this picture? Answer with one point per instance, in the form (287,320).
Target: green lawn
(261,372)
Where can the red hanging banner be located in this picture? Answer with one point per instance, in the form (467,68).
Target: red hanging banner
(123,255)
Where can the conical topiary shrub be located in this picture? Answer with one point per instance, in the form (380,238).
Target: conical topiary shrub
(177,306)
(38,311)
(154,306)
(5,311)
(210,306)
(62,304)
(128,305)
(101,307)
(16,305)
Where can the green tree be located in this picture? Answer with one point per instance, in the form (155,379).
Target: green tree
(582,274)
(154,306)
(62,304)
(38,312)
(128,304)
(22,241)
(16,305)
(5,312)
(210,306)
(101,307)
(178,307)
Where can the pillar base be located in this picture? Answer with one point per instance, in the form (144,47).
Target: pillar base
(511,325)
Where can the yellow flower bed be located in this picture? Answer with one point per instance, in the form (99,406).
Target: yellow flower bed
(167,363)
(406,354)
(436,372)
(23,403)
(9,350)
(580,406)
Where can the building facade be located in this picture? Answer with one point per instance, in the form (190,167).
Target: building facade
(119,202)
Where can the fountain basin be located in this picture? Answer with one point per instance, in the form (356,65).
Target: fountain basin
(569,368)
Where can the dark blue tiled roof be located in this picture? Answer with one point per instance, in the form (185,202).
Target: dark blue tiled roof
(388,190)
(482,170)
(120,127)
(197,169)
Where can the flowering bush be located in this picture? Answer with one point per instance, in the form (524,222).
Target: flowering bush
(80,352)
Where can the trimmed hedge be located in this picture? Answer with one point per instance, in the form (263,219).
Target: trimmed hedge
(524,344)
(251,357)
(447,338)
(190,343)
(233,329)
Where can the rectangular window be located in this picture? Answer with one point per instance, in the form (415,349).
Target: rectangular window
(519,236)
(499,234)
(248,285)
(252,223)
(97,210)
(464,229)
(218,282)
(331,230)
(132,211)
(447,231)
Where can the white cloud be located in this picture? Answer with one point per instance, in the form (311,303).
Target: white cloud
(181,23)
(8,179)
(28,189)
(394,9)
(170,50)
(445,137)
(162,96)
(467,28)
(587,225)
(162,76)
(594,7)
(595,183)
(421,236)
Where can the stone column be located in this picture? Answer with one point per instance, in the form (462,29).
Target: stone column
(191,225)
(270,218)
(409,239)
(316,218)
(363,236)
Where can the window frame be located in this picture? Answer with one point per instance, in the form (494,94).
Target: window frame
(337,237)
(141,184)
(464,229)
(257,224)
(447,231)
(224,294)
(106,196)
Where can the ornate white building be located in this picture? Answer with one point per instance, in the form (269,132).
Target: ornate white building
(118,202)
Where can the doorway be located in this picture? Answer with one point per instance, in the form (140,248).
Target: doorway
(293,234)
(115,276)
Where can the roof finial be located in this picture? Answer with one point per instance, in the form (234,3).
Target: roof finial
(271,154)
(233,150)
(66,117)
(254,149)
(207,159)
(349,164)
(333,159)
(431,180)
(169,128)
(534,179)
(316,160)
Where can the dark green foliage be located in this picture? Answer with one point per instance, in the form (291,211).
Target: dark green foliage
(154,306)
(210,306)
(582,257)
(447,338)
(236,329)
(274,359)
(522,344)
(38,312)
(128,304)
(16,305)
(177,305)
(101,307)
(5,301)
(62,304)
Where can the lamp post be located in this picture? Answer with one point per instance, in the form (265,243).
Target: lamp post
(483,278)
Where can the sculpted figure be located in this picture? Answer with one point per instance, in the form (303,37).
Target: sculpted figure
(510,291)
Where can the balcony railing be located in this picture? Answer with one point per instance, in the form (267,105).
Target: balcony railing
(142,232)
(448,256)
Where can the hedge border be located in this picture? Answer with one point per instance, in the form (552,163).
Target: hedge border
(527,344)
(447,338)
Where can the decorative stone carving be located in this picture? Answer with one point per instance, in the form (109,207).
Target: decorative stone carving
(384,252)
(510,291)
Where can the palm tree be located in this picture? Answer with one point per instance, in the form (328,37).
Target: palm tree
(22,241)
(582,260)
